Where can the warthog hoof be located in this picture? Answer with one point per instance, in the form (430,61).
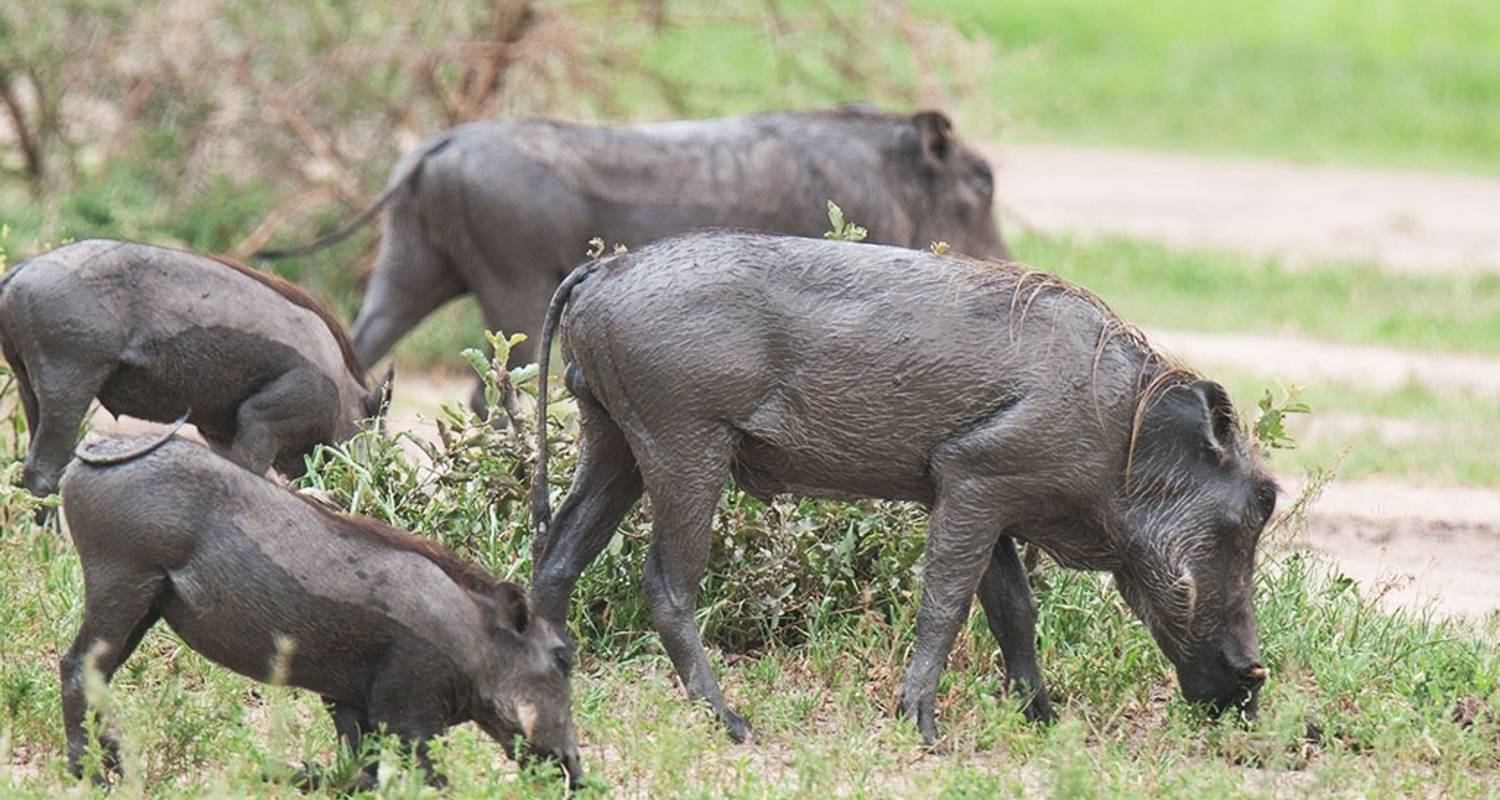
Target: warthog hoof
(109,763)
(739,730)
(1036,707)
(923,711)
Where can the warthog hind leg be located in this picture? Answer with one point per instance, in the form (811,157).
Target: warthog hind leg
(684,479)
(117,612)
(606,484)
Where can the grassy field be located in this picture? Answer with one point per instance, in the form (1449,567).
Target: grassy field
(809,607)
(1386,82)
(1362,702)
(1383,82)
(1215,291)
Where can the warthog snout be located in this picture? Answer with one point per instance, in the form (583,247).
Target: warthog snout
(574,768)
(1232,683)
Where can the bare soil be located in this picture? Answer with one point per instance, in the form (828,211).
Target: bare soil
(1410,221)
(1299,359)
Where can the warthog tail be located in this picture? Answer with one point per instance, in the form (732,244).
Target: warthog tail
(109,451)
(397,183)
(541,504)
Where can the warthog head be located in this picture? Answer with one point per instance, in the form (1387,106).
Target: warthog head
(959,187)
(1196,501)
(526,691)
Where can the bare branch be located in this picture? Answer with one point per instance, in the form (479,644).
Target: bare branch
(30,147)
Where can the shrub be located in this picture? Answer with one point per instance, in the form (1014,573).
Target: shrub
(779,570)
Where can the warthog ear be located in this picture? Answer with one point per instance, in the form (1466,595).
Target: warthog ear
(1219,426)
(934,137)
(510,609)
(379,398)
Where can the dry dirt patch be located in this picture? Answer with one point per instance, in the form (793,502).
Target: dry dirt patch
(1406,220)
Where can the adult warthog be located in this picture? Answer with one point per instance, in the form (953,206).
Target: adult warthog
(392,630)
(260,367)
(505,209)
(1016,406)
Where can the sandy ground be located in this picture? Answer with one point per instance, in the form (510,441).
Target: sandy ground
(1409,221)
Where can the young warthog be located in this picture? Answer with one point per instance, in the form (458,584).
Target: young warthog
(260,367)
(1014,405)
(505,209)
(391,629)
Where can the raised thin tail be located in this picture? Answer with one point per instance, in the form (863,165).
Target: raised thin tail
(541,504)
(103,453)
(364,216)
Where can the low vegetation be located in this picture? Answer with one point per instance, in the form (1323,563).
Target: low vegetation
(810,608)
(1222,292)
(1384,82)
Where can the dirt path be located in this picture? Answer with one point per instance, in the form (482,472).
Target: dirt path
(1301,359)
(1416,545)
(1409,221)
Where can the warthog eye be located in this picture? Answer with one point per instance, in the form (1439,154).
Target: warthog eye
(1265,500)
(562,658)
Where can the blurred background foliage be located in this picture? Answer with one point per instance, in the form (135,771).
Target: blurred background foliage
(217,125)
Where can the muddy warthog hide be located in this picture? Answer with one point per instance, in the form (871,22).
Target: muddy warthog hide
(504,209)
(1016,406)
(261,368)
(391,629)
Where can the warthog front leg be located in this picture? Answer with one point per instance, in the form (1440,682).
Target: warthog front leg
(275,416)
(414,716)
(350,722)
(960,537)
(1005,594)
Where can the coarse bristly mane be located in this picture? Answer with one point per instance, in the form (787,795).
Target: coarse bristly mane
(463,572)
(300,297)
(1159,372)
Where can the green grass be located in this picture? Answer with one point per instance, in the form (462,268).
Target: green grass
(1215,291)
(1362,702)
(1381,82)
(1387,82)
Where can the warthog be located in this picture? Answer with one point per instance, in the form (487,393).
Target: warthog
(1014,405)
(261,368)
(505,209)
(391,629)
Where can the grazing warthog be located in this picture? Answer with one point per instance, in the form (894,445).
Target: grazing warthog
(391,629)
(260,367)
(1014,405)
(505,209)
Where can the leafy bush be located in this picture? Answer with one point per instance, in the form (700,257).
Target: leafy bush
(779,570)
